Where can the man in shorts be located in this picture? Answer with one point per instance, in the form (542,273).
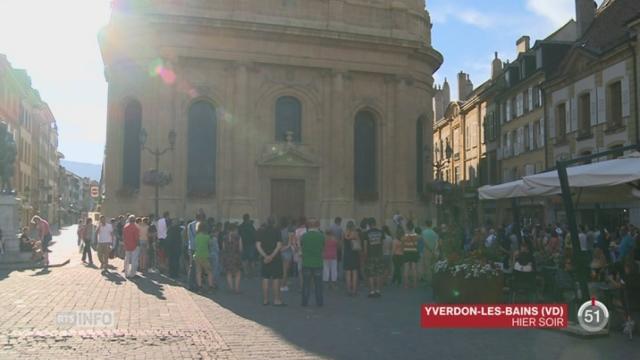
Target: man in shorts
(374,266)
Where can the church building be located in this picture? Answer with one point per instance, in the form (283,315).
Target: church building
(320,108)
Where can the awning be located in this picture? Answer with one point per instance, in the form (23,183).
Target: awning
(600,174)
(514,189)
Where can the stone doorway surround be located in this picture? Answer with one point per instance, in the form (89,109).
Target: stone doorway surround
(293,163)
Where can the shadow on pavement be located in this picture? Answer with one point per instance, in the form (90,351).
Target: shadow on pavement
(114,277)
(153,285)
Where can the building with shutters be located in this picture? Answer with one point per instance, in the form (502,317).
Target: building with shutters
(285,108)
(592,98)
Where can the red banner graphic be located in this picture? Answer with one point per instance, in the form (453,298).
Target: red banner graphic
(494,316)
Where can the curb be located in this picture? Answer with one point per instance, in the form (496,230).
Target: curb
(30,266)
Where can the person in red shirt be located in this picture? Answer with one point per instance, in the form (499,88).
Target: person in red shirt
(131,236)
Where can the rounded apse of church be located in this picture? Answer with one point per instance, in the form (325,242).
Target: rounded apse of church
(279,107)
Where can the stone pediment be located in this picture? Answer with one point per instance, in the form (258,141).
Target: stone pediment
(578,61)
(287,155)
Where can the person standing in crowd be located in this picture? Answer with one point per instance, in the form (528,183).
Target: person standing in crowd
(200,254)
(192,232)
(248,235)
(398,254)
(268,246)
(232,258)
(410,256)
(174,246)
(214,249)
(105,238)
(87,236)
(162,227)
(131,238)
(143,253)
(297,254)
(153,244)
(312,245)
(387,253)
(286,236)
(626,244)
(44,236)
(352,247)
(119,228)
(374,259)
(330,260)
(338,234)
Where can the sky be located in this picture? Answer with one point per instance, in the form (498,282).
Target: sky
(56,42)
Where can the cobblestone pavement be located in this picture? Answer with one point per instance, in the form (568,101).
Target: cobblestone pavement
(156,318)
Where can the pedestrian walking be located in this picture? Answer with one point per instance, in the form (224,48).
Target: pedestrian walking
(268,246)
(87,238)
(44,236)
(312,245)
(214,249)
(352,248)
(106,239)
(131,238)
(153,245)
(232,258)
(192,232)
(374,265)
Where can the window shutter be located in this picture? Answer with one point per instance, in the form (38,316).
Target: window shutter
(572,115)
(602,105)
(541,101)
(519,103)
(508,111)
(625,96)
(508,150)
(593,108)
(532,146)
(541,138)
(552,124)
(520,140)
(530,98)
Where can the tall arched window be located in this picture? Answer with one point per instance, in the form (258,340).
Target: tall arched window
(420,155)
(365,173)
(131,146)
(288,118)
(201,163)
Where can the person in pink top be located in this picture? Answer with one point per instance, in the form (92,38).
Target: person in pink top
(44,235)
(330,259)
(131,237)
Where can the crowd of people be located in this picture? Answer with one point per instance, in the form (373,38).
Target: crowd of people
(207,252)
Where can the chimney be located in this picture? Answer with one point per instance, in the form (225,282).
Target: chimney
(465,87)
(522,45)
(585,13)
(496,67)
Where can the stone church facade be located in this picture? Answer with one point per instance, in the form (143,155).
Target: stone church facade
(320,108)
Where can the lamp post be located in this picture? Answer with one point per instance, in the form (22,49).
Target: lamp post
(157,152)
(440,185)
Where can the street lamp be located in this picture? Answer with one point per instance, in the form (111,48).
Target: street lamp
(157,179)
